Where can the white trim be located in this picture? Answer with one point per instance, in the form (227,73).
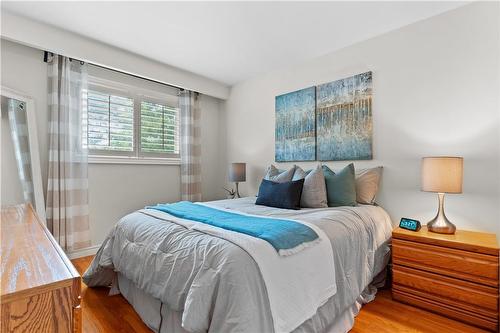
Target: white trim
(88,251)
(36,172)
(133,160)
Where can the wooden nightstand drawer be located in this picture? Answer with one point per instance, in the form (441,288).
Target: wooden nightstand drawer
(466,265)
(453,275)
(447,310)
(458,293)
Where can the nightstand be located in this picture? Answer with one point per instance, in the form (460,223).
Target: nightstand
(453,275)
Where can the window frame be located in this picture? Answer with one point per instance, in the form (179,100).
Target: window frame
(136,156)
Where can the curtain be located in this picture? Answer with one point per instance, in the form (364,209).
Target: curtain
(19,132)
(67,188)
(190,147)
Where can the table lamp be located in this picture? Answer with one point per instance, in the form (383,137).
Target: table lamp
(237,173)
(442,175)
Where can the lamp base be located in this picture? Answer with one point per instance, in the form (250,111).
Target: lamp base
(440,224)
(237,194)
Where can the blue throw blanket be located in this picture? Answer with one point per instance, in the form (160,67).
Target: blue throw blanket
(281,234)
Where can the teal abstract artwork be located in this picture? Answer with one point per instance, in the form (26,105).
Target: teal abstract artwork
(344,119)
(295,133)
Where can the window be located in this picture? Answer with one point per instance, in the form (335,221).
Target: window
(159,128)
(110,122)
(130,125)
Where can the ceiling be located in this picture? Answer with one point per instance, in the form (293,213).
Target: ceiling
(229,41)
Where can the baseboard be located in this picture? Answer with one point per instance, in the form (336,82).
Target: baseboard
(88,251)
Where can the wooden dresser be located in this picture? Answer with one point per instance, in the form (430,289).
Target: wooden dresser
(40,287)
(453,275)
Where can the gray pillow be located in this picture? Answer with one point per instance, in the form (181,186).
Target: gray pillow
(367,184)
(314,190)
(278,176)
(299,173)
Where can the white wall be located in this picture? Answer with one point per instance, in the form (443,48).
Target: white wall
(42,36)
(436,92)
(114,189)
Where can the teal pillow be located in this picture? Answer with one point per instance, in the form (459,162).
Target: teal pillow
(340,186)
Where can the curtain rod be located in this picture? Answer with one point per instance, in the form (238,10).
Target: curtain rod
(46,59)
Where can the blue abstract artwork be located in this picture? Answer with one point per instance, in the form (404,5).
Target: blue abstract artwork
(296,126)
(344,119)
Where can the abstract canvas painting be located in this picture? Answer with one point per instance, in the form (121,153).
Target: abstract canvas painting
(344,119)
(295,126)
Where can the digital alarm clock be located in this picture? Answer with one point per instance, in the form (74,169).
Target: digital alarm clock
(409,224)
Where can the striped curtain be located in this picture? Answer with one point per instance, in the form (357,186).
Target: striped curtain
(19,132)
(67,188)
(190,148)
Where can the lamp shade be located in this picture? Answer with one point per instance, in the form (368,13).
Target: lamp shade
(442,174)
(237,172)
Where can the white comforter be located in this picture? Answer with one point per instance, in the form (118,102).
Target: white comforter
(297,284)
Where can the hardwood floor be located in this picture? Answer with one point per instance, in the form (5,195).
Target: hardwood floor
(103,313)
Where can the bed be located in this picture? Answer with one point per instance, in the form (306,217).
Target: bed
(185,280)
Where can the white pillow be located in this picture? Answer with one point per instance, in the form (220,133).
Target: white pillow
(367,184)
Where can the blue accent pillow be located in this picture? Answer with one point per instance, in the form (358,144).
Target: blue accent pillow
(340,186)
(280,195)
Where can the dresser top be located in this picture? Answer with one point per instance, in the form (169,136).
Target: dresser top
(474,241)
(31,258)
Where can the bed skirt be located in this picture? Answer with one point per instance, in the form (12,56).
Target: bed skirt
(149,309)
